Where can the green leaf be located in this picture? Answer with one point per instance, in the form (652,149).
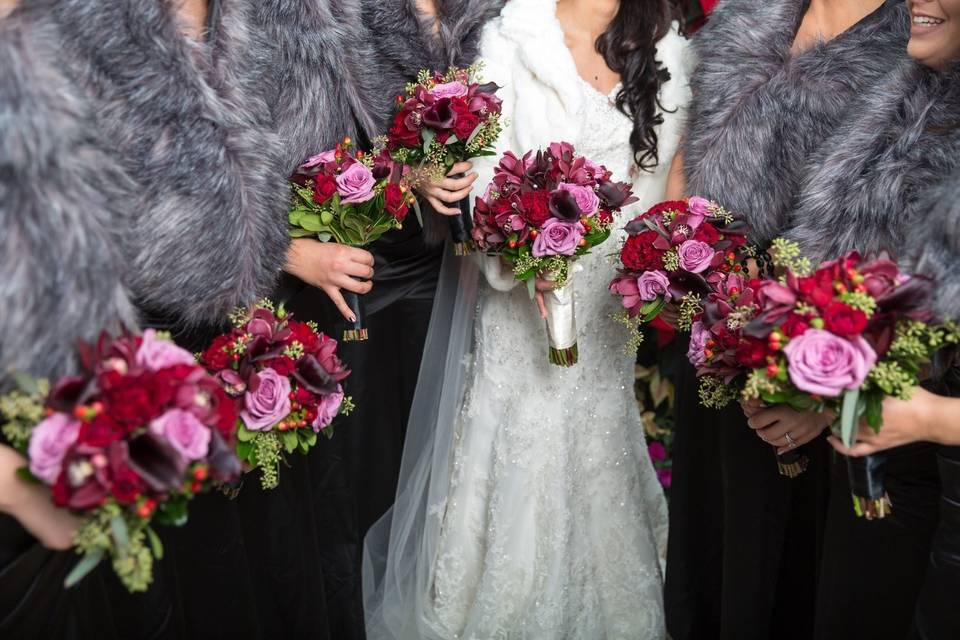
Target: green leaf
(24,474)
(118,527)
(416,210)
(652,309)
(848,416)
(289,439)
(296,232)
(311,438)
(532,287)
(312,222)
(324,237)
(86,565)
(26,383)
(156,546)
(244,449)
(873,410)
(428,136)
(245,435)
(452,140)
(326,217)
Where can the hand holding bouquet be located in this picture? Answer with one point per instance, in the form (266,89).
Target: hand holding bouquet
(124,446)
(539,214)
(351,198)
(445,119)
(286,377)
(672,254)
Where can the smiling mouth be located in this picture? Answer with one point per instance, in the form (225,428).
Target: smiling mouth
(927,21)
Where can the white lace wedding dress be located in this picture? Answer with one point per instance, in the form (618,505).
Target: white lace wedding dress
(554,524)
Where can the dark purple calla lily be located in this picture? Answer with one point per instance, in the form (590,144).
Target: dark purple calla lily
(440,116)
(313,377)
(224,464)
(160,466)
(564,206)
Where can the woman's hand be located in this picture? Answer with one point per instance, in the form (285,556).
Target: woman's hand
(330,266)
(30,504)
(542,285)
(783,428)
(903,422)
(450,191)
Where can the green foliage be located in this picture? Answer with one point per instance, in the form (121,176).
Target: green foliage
(21,410)
(356,225)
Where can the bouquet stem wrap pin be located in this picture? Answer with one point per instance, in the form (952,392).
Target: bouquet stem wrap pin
(561,326)
(870,499)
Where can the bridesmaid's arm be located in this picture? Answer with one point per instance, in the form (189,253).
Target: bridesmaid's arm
(31,506)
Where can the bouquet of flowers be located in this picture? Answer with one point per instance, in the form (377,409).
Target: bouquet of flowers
(285,376)
(542,212)
(670,257)
(445,119)
(124,446)
(841,338)
(352,198)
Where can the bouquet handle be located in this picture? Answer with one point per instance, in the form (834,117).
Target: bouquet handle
(461,226)
(866,476)
(792,464)
(561,326)
(355,331)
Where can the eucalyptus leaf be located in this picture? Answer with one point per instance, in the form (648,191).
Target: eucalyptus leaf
(121,536)
(289,439)
(416,210)
(873,411)
(326,217)
(473,134)
(532,287)
(312,222)
(26,383)
(452,140)
(298,232)
(324,237)
(848,416)
(85,566)
(245,435)
(428,136)
(244,449)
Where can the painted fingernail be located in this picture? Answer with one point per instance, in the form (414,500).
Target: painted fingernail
(353,318)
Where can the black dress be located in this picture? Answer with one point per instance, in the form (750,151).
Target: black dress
(353,476)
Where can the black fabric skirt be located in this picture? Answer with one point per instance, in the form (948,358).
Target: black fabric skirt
(744,541)
(872,570)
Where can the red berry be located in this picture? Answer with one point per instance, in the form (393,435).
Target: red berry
(200,473)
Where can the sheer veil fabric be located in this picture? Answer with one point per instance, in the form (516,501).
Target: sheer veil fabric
(527,505)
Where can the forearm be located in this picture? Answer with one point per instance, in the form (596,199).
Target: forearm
(939,417)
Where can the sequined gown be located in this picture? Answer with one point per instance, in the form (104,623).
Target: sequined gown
(555,522)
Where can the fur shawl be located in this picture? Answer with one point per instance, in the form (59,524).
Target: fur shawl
(863,189)
(207,230)
(759,111)
(933,245)
(62,210)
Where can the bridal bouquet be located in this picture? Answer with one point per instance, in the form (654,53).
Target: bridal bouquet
(285,376)
(671,255)
(841,338)
(445,119)
(124,446)
(542,212)
(346,196)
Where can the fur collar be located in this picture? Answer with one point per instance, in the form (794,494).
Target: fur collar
(208,230)
(760,111)
(862,190)
(934,245)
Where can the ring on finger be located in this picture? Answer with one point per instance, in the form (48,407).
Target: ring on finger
(790,441)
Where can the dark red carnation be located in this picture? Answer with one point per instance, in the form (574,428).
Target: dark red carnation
(678,206)
(396,202)
(302,333)
(130,403)
(306,399)
(706,232)
(283,365)
(843,320)
(226,414)
(639,254)
(324,187)
(752,352)
(100,432)
(817,289)
(535,207)
(794,325)
(126,485)
(216,356)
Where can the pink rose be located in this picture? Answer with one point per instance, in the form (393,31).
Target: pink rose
(695,256)
(826,365)
(586,198)
(328,409)
(698,344)
(699,206)
(267,401)
(320,158)
(155,354)
(356,184)
(557,237)
(49,442)
(449,90)
(653,284)
(184,432)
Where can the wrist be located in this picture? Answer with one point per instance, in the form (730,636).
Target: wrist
(295,257)
(929,411)
(14,491)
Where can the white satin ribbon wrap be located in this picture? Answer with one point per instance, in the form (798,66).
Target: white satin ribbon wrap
(561,316)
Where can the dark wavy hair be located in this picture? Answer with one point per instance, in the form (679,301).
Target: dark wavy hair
(629,47)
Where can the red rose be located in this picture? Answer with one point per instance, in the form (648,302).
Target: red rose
(818,288)
(466,121)
(752,352)
(396,202)
(324,187)
(400,135)
(126,485)
(678,206)
(639,254)
(306,399)
(843,320)
(100,432)
(795,325)
(535,207)
(216,356)
(226,408)
(707,233)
